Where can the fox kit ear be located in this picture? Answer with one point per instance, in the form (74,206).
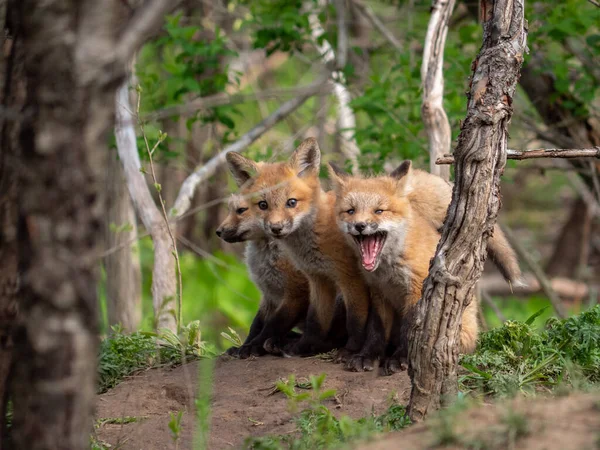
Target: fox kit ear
(336,175)
(306,159)
(241,167)
(403,176)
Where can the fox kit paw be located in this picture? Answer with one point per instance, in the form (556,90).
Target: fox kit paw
(343,355)
(246,351)
(394,364)
(232,351)
(360,363)
(274,346)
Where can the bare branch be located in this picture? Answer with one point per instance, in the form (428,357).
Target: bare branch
(537,271)
(378,24)
(539,153)
(347,120)
(147,19)
(163,277)
(488,300)
(204,103)
(595,3)
(186,192)
(434,117)
(342,29)
(565,288)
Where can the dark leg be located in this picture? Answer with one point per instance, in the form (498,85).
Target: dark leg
(255,329)
(374,347)
(314,339)
(397,361)
(277,327)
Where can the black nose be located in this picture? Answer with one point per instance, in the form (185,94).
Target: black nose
(276,229)
(219,233)
(360,226)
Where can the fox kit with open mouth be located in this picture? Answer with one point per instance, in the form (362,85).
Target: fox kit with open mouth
(284,288)
(300,216)
(394,232)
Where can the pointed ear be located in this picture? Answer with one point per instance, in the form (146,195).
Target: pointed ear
(241,167)
(306,159)
(336,175)
(403,176)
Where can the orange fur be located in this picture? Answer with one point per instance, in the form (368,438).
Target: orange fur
(309,234)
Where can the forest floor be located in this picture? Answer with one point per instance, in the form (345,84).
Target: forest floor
(135,415)
(243,403)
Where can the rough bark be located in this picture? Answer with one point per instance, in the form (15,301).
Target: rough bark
(123,273)
(460,255)
(62,136)
(12,99)
(434,117)
(164,281)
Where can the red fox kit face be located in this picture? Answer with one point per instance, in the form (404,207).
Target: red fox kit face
(281,193)
(240,224)
(373,212)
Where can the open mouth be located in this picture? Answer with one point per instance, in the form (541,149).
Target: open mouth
(370,249)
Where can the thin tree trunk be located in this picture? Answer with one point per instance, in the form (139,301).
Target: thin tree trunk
(123,273)
(460,255)
(13,86)
(434,117)
(164,281)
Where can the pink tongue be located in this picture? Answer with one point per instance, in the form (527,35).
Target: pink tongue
(369,247)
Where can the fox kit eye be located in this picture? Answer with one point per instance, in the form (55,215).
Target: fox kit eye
(291,203)
(378,211)
(263,205)
(241,210)
(350,212)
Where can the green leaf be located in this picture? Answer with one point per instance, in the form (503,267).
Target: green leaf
(535,315)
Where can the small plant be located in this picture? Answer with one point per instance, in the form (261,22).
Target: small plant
(317,426)
(175,427)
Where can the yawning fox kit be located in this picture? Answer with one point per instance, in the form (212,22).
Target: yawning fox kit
(345,266)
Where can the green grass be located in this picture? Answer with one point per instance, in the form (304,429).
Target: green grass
(123,354)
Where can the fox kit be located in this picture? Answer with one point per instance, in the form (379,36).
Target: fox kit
(387,222)
(300,216)
(284,288)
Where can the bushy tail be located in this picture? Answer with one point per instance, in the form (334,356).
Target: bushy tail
(504,257)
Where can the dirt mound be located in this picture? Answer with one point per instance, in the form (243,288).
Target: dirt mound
(566,423)
(241,402)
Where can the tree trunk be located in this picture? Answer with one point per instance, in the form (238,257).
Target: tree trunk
(62,139)
(460,255)
(123,273)
(13,100)
(434,117)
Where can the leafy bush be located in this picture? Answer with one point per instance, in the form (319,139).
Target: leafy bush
(516,358)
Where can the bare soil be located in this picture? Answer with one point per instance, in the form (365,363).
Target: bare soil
(558,423)
(242,401)
(243,404)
